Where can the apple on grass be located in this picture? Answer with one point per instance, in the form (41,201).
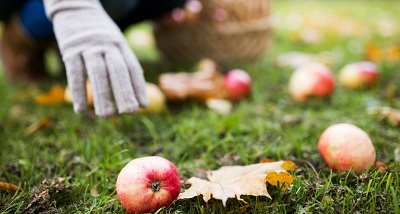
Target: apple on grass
(147,184)
(157,99)
(358,75)
(344,146)
(237,84)
(89,94)
(311,80)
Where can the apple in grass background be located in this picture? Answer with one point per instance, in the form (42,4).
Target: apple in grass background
(147,184)
(359,75)
(237,84)
(311,80)
(344,146)
(157,99)
(89,94)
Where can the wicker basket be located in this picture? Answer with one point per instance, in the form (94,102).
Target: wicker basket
(240,33)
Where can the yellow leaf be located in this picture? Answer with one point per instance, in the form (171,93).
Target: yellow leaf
(284,179)
(54,96)
(9,187)
(289,165)
(42,123)
(379,54)
(393,54)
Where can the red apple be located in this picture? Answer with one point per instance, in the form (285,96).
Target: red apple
(381,166)
(358,75)
(147,184)
(237,84)
(344,146)
(311,80)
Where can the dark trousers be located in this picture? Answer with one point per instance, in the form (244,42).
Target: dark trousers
(123,12)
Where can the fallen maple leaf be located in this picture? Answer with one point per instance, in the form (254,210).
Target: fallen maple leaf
(228,172)
(232,188)
(54,96)
(234,181)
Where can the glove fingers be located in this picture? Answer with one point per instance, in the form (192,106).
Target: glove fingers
(76,83)
(121,82)
(97,72)
(136,73)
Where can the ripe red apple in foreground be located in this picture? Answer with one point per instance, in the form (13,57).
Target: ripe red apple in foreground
(311,80)
(237,84)
(358,75)
(344,146)
(147,184)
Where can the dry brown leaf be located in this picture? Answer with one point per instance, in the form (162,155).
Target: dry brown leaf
(53,97)
(234,181)
(266,160)
(9,187)
(42,123)
(244,208)
(94,192)
(199,85)
(390,91)
(392,115)
(205,83)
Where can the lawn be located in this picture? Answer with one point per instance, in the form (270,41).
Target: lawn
(68,163)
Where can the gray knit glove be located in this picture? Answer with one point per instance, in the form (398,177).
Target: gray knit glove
(90,42)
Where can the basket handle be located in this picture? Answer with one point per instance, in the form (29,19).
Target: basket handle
(244,27)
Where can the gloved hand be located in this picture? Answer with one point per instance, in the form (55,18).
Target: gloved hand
(90,42)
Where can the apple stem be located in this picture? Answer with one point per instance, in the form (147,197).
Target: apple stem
(156,186)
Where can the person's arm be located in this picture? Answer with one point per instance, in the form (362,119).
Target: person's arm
(92,46)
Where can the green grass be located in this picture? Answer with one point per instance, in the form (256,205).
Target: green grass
(88,152)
